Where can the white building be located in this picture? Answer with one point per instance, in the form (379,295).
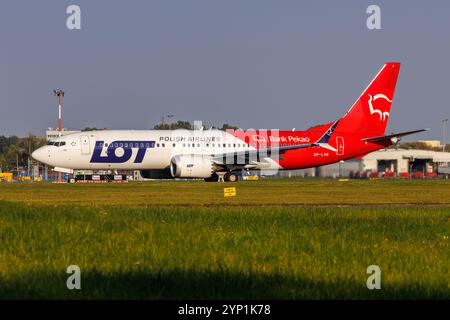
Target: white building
(53,133)
(409,161)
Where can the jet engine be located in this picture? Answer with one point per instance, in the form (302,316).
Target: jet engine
(191,166)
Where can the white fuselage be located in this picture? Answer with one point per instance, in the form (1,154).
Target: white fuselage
(134,149)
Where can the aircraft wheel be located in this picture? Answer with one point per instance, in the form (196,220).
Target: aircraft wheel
(231,177)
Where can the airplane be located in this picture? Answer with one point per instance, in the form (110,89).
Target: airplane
(208,154)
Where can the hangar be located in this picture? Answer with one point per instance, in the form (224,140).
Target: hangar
(400,162)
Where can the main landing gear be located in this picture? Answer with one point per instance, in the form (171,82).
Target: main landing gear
(231,177)
(221,176)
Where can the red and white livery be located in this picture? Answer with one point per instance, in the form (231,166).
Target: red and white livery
(205,153)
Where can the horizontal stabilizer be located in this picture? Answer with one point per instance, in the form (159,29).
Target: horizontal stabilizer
(392,136)
(326,146)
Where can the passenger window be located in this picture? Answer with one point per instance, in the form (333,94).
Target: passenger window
(157,145)
(173,145)
(163,145)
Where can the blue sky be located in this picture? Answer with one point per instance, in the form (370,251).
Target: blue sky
(252,63)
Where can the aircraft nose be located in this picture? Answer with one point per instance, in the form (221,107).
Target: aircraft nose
(39,155)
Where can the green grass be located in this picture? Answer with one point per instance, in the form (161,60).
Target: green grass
(292,192)
(269,242)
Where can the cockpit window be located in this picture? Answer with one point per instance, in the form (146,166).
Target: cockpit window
(56,143)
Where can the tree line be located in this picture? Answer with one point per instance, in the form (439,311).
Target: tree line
(16,152)
(418,145)
(180,124)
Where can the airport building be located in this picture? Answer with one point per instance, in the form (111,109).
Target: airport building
(387,163)
(54,133)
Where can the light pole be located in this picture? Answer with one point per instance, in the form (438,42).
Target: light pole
(59,93)
(444,124)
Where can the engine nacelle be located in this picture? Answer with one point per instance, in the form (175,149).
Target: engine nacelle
(191,166)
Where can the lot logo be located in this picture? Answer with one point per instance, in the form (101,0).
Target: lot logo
(382,115)
(120,151)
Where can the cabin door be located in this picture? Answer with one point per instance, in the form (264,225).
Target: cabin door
(85,145)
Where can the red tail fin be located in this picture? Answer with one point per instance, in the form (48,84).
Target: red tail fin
(370,113)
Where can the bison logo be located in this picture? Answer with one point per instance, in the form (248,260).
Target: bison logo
(383,115)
